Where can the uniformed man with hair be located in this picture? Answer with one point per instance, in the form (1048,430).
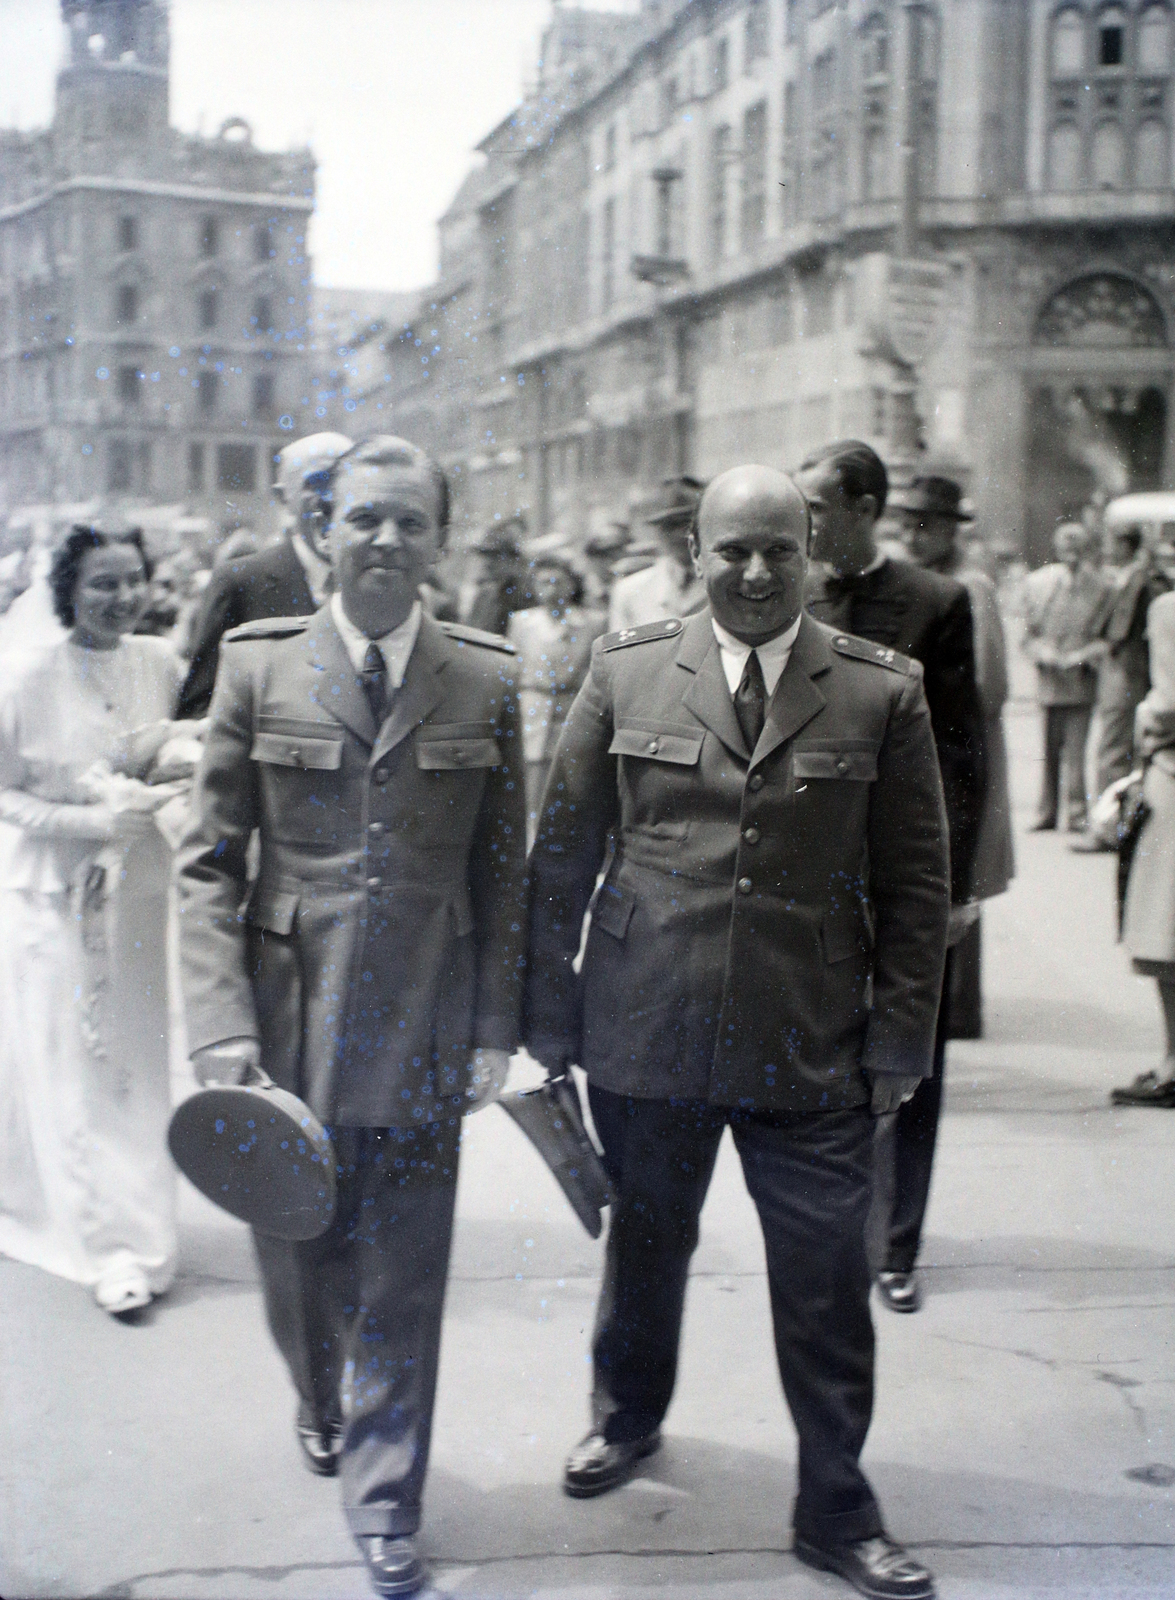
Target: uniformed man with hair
(376,968)
(765,954)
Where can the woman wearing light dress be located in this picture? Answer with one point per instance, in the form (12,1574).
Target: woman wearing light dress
(87,1189)
(1148,926)
(554,638)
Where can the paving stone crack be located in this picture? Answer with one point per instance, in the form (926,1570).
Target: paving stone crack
(129,1588)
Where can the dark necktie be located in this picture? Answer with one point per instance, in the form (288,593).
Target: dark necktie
(750,701)
(374,679)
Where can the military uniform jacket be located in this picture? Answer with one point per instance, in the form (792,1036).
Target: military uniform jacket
(385,933)
(771,922)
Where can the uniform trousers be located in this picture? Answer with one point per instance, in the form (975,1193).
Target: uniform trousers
(809,1176)
(1062,792)
(357,1312)
(908,1139)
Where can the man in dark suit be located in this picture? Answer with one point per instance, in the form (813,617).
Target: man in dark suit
(286,580)
(376,968)
(765,954)
(924,615)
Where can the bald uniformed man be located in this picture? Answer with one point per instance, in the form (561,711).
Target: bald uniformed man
(765,954)
(287,580)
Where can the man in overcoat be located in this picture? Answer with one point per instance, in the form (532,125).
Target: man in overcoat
(855,586)
(374,967)
(286,580)
(765,954)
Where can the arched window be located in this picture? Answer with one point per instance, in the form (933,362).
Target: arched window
(1109,156)
(1068,43)
(1111,37)
(1152,161)
(1065,158)
(1154,42)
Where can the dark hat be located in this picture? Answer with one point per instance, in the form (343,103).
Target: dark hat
(942,497)
(609,541)
(677,501)
(260,1153)
(499,540)
(551,1117)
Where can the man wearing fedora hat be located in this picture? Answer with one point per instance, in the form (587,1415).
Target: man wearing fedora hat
(922,614)
(932,513)
(287,580)
(670,587)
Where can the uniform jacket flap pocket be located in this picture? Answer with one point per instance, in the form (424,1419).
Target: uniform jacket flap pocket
(613,910)
(273,909)
(682,746)
(292,750)
(453,755)
(858,766)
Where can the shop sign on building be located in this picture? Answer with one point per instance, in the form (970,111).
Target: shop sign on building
(900,303)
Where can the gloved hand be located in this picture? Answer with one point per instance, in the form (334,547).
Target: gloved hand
(890,1090)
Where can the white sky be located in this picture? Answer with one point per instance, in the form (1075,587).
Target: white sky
(391,94)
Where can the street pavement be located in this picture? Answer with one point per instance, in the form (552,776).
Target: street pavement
(1024,1436)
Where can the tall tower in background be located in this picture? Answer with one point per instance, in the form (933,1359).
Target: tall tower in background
(155,290)
(112,90)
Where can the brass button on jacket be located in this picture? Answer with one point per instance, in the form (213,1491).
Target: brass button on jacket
(751,836)
(745,886)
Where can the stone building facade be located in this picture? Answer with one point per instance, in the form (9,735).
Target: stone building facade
(670,263)
(154,289)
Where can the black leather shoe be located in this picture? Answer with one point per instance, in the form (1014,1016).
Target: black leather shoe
(901,1291)
(595,1465)
(1043,825)
(392,1564)
(876,1567)
(321,1442)
(1147,1090)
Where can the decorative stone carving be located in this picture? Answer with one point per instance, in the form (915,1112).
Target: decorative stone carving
(1102,309)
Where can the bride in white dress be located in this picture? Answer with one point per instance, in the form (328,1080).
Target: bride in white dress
(87,1189)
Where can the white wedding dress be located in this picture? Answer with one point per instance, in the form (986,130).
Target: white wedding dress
(87,1188)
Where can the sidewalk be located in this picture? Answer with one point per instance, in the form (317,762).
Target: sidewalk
(1024,1437)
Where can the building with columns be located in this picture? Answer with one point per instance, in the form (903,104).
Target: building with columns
(682,257)
(154,289)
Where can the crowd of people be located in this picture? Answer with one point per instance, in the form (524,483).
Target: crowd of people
(708,809)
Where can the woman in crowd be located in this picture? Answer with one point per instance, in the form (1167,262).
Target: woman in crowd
(1148,928)
(86,1184)
(554,638)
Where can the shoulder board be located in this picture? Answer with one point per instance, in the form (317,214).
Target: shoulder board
(267,628)
(489,641)
(847,644)
(642,635)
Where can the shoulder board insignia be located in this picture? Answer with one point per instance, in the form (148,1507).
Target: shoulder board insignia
(642,635)
(267,628)
(847,644)
(489,641)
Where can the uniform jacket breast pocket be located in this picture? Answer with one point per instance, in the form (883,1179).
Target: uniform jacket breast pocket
(851,763)
(679,746)
(457,747)
(317,752)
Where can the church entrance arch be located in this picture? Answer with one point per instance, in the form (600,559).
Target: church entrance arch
(1099,387)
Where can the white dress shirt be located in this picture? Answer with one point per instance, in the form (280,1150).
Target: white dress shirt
(395,647)
(773,656)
